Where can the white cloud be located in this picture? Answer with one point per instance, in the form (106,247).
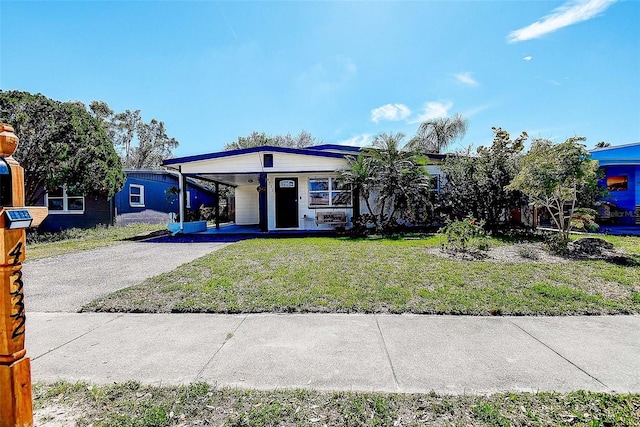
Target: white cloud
(433,110)
(465,78)
(364,140)
(392,112)
(476,110)
(570,13)
(528,58)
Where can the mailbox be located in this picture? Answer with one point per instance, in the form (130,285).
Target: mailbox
(15,367)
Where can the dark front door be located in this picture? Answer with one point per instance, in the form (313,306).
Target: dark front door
(286,202)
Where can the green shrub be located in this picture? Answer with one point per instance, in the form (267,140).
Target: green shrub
(557,244)
(528,252)
(465,235)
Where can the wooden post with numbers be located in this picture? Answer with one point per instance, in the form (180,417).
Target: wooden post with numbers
(15,368)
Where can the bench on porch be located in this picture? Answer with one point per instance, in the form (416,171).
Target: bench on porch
(331,218)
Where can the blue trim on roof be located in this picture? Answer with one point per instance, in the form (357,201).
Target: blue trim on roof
(264,148)
(140,174)
(614,147)
(334,147)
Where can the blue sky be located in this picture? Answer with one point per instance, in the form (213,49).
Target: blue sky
(343,71)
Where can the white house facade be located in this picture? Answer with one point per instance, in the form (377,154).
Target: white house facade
(280,188)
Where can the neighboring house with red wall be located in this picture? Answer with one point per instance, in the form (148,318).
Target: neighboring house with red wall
(621,166)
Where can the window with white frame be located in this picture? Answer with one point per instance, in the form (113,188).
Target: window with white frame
(329,192)
(65,200)
(136,195)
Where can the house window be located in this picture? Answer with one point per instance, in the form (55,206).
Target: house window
(136,195)
(268,160)
(65,200)
(435,184)
(328,192)
(618,183)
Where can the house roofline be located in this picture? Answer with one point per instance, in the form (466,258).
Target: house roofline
(323,147)
(263,148)
(614,147)
(171,173)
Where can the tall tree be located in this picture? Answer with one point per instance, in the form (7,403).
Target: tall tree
(60,144)
(475,182)
(435,135)
(154,145)
(140,145)
(553,177)
(258,139)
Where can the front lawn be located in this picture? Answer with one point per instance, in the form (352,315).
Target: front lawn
(381,276)
(76,240)
(132,404)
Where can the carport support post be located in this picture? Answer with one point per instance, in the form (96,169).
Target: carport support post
(182,197)
(217,206)
(16,407)
(262,202)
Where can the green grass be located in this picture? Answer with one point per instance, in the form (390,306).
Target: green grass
(76,240)
(379,276)
(131,404)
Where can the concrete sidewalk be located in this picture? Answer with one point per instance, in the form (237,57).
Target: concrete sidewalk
(393,353)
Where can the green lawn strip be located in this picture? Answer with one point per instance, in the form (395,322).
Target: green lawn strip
(77,240)
(381,276)
(131,404)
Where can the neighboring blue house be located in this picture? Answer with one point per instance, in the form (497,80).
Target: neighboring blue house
(621,165)
(150,196)
(147,196)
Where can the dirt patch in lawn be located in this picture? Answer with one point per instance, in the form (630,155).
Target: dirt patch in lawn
(516,253)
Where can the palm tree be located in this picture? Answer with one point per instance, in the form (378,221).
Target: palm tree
(398,175)
(437,134)
(359,174)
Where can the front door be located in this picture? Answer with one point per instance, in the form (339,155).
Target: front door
(286,202)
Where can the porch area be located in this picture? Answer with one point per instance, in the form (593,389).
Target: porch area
(233,233)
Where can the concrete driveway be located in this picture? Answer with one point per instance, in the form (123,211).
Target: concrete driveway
(65,283)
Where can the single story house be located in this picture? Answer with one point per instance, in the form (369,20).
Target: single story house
(621,166)
(147,196)
(279,188)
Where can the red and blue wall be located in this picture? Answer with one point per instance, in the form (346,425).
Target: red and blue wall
(621,166)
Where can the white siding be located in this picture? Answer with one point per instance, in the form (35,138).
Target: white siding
(247,205)
(306,215)
(252,162)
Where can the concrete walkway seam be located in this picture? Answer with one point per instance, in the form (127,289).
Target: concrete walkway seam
(199,375)
(562,356)
(386,351)
(76,338)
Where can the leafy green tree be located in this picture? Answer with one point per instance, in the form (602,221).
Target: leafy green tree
(258,139)
(554,175)
(475,182)
(140,145)
(154,145)
(435,135)
(61,143)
